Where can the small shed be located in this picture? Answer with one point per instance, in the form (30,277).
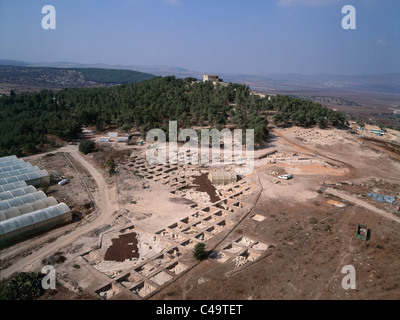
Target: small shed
(363,233)
(123,139)
(222,177)
(113,134)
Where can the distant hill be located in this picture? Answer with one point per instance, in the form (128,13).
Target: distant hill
(158,70)
(272,83)
(113,76)
(25,78)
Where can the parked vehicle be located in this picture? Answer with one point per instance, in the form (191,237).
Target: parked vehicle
(63,182)
(285,176)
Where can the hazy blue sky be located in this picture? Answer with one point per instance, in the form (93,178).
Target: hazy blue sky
(215,36)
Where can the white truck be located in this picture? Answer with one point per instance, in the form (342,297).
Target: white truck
(285,177)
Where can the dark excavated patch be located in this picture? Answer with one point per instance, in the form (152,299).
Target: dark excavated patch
(122,248)
(203,184)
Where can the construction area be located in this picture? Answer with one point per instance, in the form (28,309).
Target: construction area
(283,231)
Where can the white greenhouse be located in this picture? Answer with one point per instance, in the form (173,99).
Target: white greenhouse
(34,222)
(12,186)
(19,201)
(17,192)
(24,211)
(27,208)
(34,178)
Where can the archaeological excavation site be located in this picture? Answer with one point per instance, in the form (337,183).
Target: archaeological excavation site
(178,206)
(282,231)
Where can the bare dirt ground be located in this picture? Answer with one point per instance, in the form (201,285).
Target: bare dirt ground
(269,238)
(313,233)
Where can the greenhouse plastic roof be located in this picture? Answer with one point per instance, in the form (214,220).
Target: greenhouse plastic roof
(11,163)
(17,192)
(24,177)
(18,172)
(12,186)
(15,166)
(33,218)
(13,170)
(18,201)
(22,205)
(3,159)
(27,208)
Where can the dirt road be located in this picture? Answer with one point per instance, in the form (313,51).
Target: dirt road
(105,199)
(301,148)
(361,203)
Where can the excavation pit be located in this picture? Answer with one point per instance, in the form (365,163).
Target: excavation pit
(162,260)
(245,241)
(164,233)
(161,278)
(189,220)
(219,214)
(177,268)
(259,246)
(199,214)
(189,244)
(204,236)
(250,255)
(200,225)
(213,230)
(146,269)
(174,253)
(108,291)
(177,226)
(232,248)
(143,289)
(236,204)
(129,280)
(178,237)
(190,231)
(221,224)
(219,256)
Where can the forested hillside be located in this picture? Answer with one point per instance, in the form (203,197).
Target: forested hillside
(28,121)
(305,113)
(69,77)
(113,76)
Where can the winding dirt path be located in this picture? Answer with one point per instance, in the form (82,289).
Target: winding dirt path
(106,202)
(350,198)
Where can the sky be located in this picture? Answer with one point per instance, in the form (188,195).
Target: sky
(211,36)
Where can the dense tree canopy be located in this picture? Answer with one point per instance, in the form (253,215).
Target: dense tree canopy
(112,75)
(24,286)
(306,113)
(28,121)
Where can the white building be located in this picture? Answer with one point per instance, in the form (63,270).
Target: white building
(209,77)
